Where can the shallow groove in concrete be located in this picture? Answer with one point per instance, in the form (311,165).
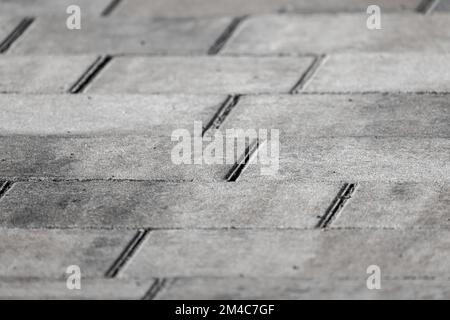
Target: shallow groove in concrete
(337,205)
(127,254)
(16,33)
(98,65)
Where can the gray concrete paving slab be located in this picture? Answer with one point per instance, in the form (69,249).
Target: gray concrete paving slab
(91,289)
(141,157)
(353,159)
(177,8)
(48,253)
(110,204)
(397,205)
(112,36)
(201,75)
(51,7)
(343,254)
(409,72)
(274,288)
(340,33)
(395,115)
(41,74)
(104,114)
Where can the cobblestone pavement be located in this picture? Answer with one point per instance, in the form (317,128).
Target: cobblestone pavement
(87,177)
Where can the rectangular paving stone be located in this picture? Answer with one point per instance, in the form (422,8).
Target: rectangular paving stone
(110,289)
(109,204)
(121,36)
(51,7)
(41,74)
(274,288)
(7,25)
(104,114)
(342,254)
(183,8)
(201,75)
(397,205)
(141,157)
(48,253)
(401,115)
(408,72)
(353,159)
(334,33)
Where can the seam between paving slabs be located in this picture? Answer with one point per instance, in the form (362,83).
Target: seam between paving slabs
(90,74)
(128,253)
(337,206)
(18,31)
(308,74)
(242,164)
(5,186)
(110,8)
(155,288)
(230,102)
(226,35)
(427,6)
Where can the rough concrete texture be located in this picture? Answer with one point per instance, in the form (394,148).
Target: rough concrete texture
(184,8)
(101,157)
(342,254)
(51,7)
(355,159)
(301,34)
(91,288)
(87,176)
(47,253)
(409,72)
(397,115)
(398,205)
(104,114)
(201,75)
(269,288)
(41,74)
(152,205)
(112,36)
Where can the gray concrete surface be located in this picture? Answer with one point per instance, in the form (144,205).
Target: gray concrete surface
(47,253)
(409,72)
(86,176)
(334,33)
(51,8)
(293,288)
(111,36)
(201,75)
(180,8)
(293,253)
(396,115)
(151,204)
(41,74)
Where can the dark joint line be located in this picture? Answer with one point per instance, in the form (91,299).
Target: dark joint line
(309,73)
(110,8)
(90,74)
(337,205)
(16,33)
(239,167)
(155,288)
(225,36)
(130,250)
(5,186)
(223,112)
